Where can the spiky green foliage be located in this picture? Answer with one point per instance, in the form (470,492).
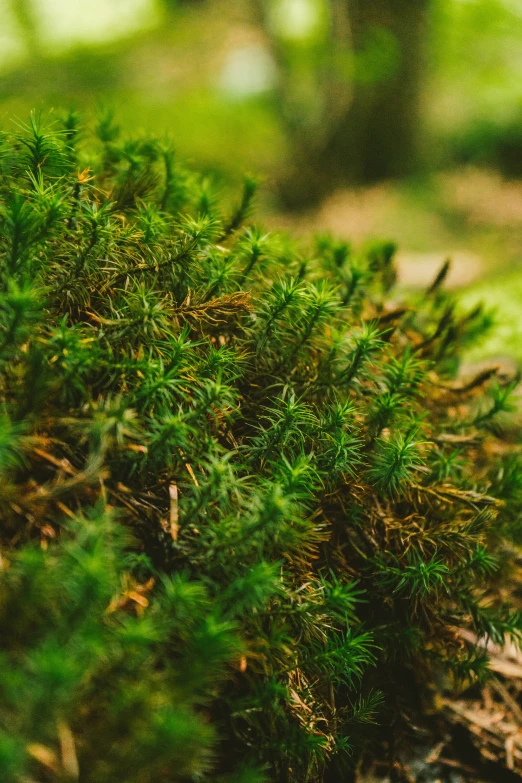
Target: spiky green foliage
(296,505)
(73,654)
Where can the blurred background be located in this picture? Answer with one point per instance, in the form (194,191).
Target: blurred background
(396,119)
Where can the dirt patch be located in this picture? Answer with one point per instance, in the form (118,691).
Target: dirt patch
(483,196)
(417,270)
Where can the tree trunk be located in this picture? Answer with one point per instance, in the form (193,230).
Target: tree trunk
(385,115)
(377,136)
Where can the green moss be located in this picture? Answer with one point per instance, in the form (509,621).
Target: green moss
(244,502)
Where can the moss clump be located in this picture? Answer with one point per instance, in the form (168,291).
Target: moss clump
(245,506)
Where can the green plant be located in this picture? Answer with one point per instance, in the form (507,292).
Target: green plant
(245,504)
